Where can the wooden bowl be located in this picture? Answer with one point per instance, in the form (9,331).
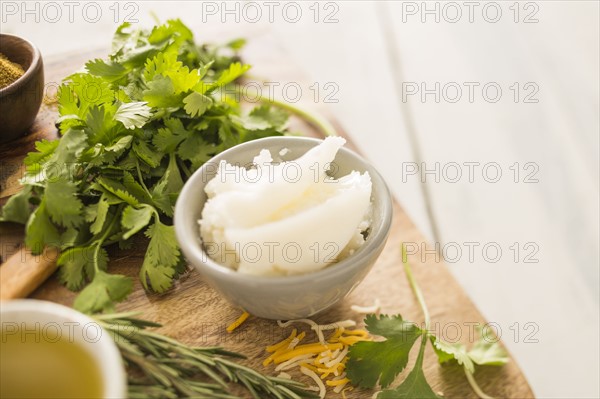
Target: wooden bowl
(20,101)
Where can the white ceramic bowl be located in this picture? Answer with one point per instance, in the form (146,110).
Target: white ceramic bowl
(282,297)
(31,313)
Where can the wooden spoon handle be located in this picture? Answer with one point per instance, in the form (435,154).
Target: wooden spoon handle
(23,272)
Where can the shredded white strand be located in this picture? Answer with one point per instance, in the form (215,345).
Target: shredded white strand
(288,364)
(316,378)
(367,309)
(293,343)
(318,329)
(338,358)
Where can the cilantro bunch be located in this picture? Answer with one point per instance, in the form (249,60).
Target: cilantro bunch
(372,363)
(133,128)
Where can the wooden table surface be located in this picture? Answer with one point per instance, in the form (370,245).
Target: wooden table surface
(194,313)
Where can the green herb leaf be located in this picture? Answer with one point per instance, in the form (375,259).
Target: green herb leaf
(161,93)
(110,71)
(168,187)
(78,263)
(487,353)
(234,71)
(447,352)
(17,209)
(135,220)
(62,203)
(371,362)
(161,258)
(196,104)
(40,230)
(414,386)
(104,290)
(133,115)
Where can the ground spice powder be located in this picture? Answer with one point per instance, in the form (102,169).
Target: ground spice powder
(9,71)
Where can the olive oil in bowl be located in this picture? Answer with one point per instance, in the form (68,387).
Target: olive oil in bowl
(44,363)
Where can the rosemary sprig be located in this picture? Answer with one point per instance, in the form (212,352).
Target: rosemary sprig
(162,367)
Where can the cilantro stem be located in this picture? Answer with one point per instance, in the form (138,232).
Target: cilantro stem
(476,387)
(415,288)
(419,295)
(309,116)
(184,167)
(139,172)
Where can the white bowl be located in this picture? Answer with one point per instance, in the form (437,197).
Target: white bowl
(282,297)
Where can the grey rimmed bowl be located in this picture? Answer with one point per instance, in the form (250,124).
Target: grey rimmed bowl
(282,297)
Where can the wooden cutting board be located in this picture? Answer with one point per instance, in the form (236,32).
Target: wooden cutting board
(194,313)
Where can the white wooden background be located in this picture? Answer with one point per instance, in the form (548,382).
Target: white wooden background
(374,53)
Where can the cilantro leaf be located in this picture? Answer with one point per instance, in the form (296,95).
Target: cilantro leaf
(196,104)
(40,231)
(86,91)
(371,362)
(78,262)
(146,154)
(167,140)
(196,150)
(119,190)
(173,28)
(234,71)
(135,219)
(59,163)
(447,352)
(67,102)
(270,116)
(110,71)
(44,149)
(414,386)
(237,44)
(101,125)
(486,353)
(104,290)
(135,189)
(62,203)
(161,93)
(162,257)
(133,115)
(17,209)
(101,210)
(168,187)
